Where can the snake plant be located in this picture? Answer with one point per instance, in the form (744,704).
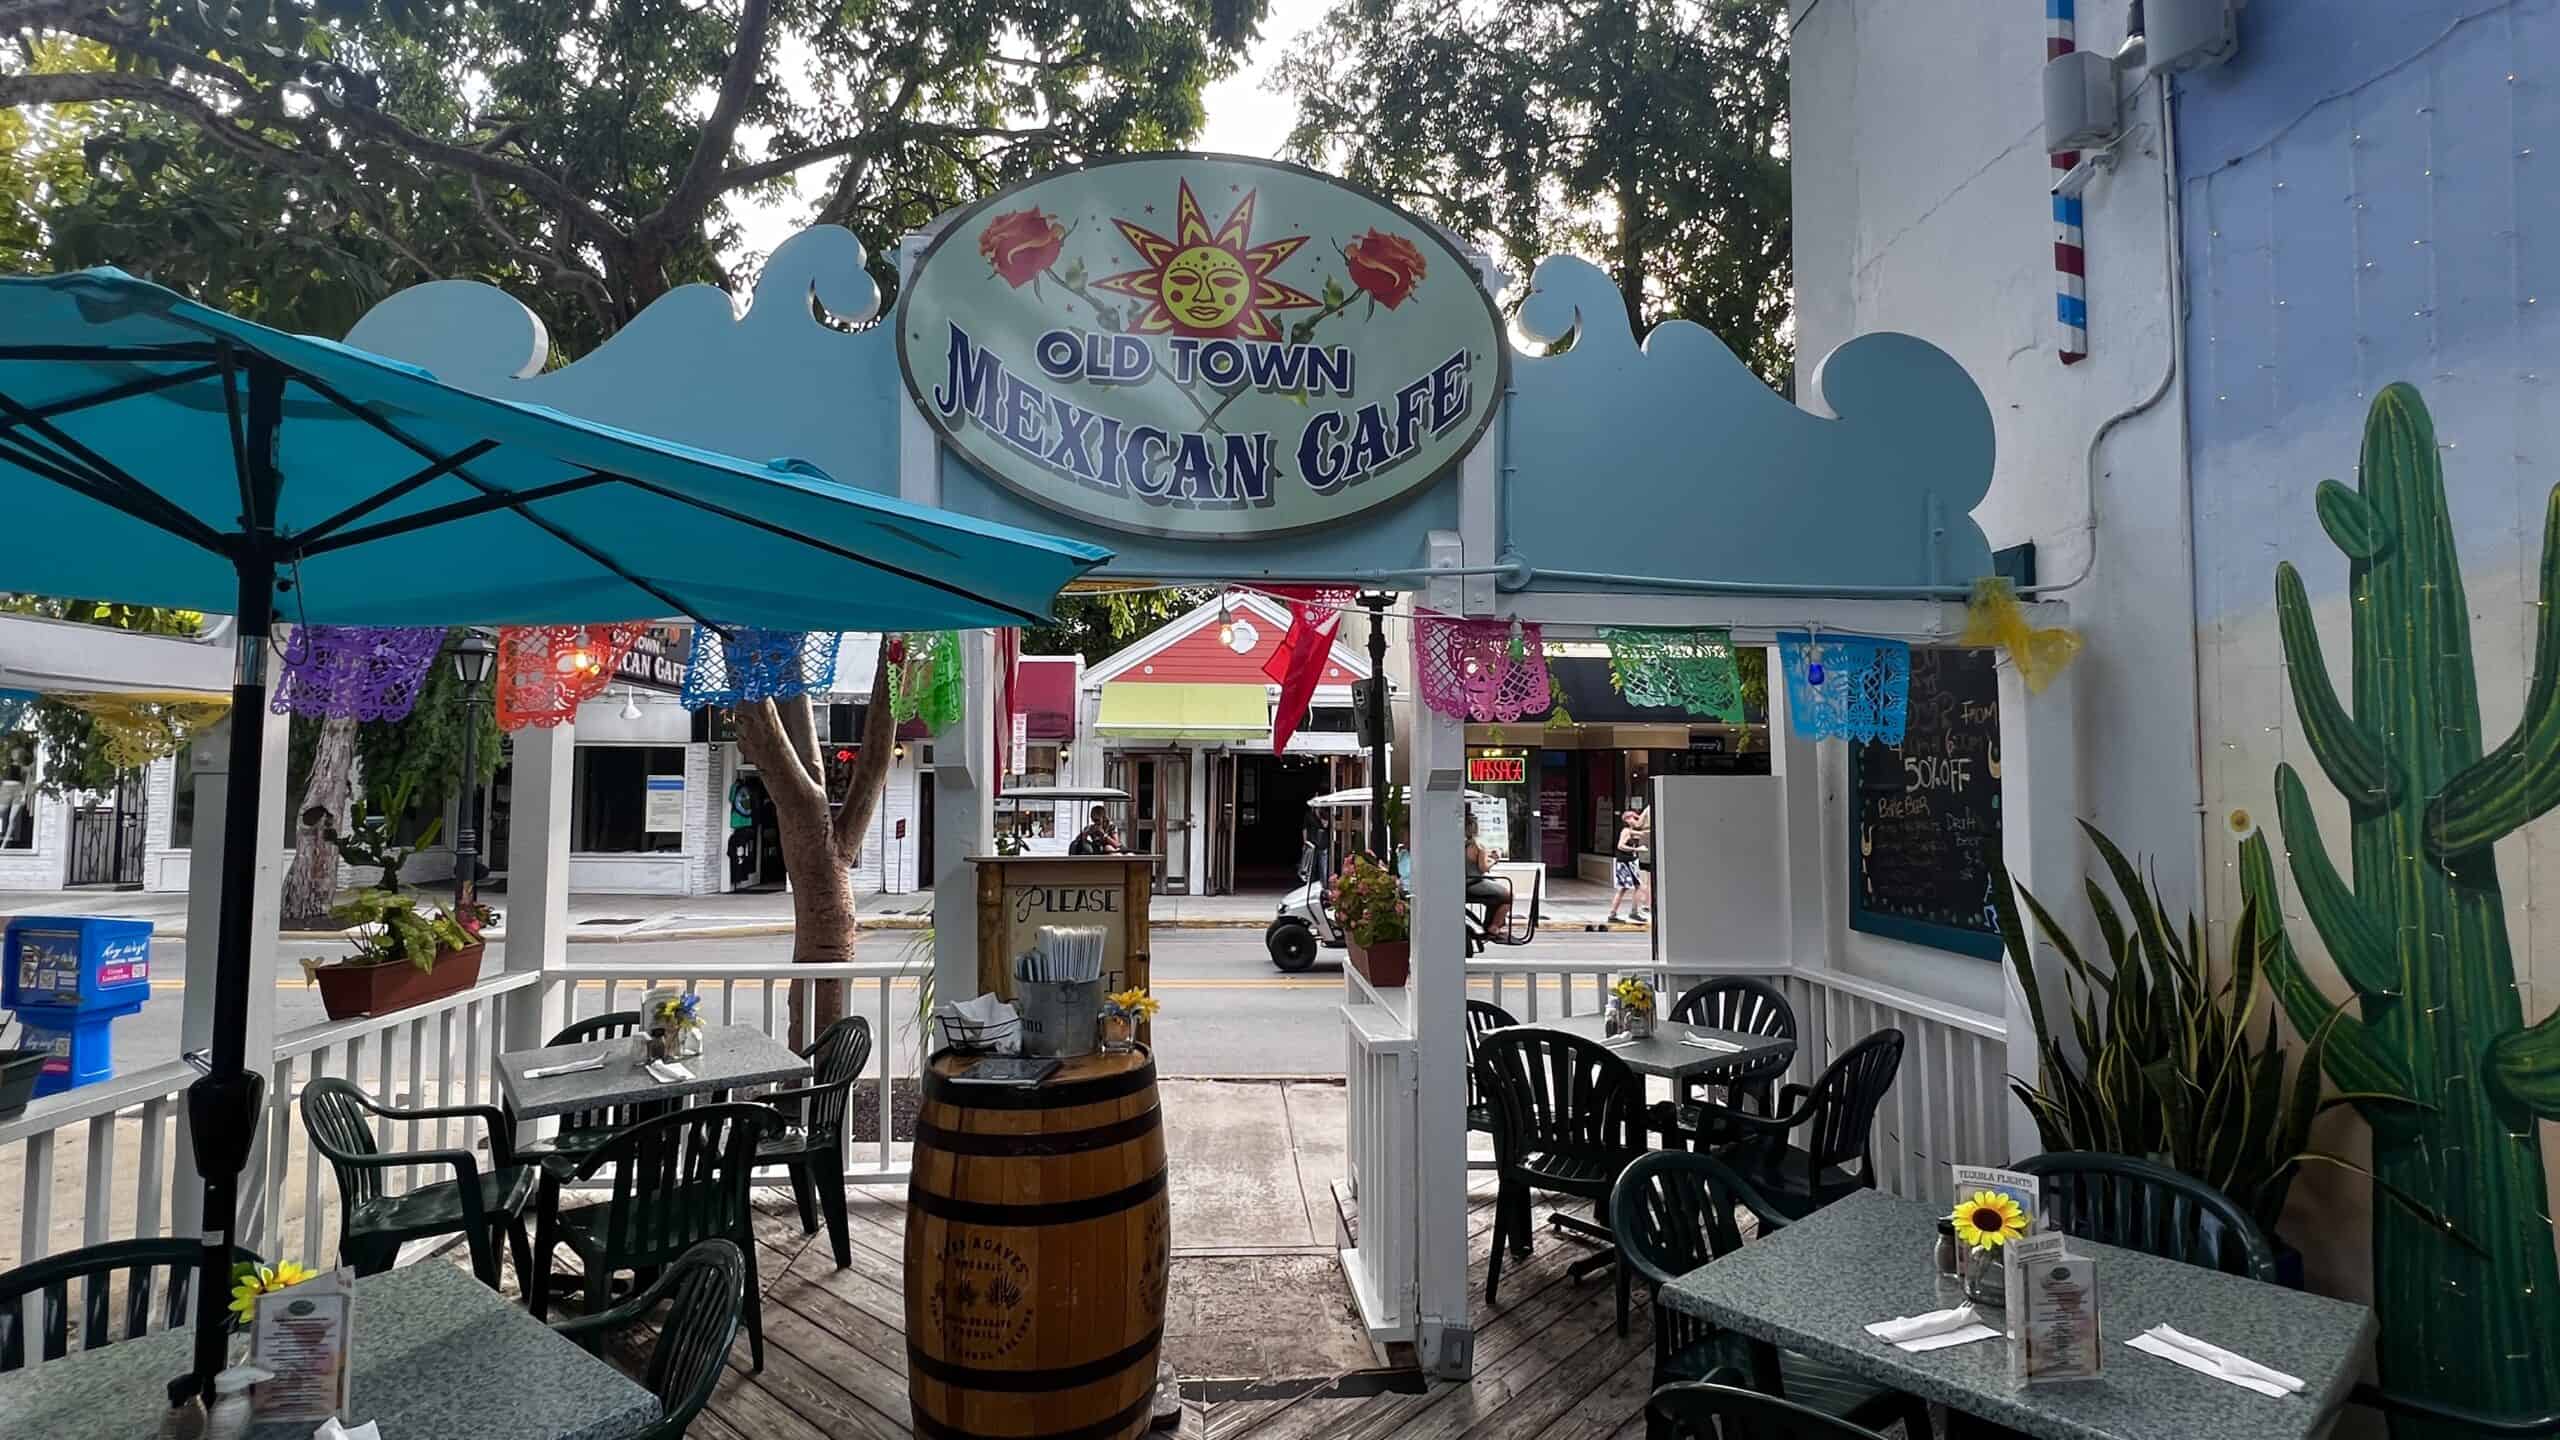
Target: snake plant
(2163,1061)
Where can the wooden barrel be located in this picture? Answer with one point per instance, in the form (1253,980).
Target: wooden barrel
(1038,1242)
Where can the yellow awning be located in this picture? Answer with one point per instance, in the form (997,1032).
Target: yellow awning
(1143,710)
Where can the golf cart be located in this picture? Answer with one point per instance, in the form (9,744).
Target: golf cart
(1046,819)
(1306,924)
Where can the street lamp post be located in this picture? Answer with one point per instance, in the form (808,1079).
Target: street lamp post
(1381,843)
(474,658)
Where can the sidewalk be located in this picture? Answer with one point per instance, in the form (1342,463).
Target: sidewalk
(1570,904)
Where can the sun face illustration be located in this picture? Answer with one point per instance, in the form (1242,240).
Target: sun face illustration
(1211,284)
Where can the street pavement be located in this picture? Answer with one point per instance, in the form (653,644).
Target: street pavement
(1227,1012)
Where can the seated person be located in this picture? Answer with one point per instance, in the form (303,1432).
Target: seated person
(1097,838)
(1482,888)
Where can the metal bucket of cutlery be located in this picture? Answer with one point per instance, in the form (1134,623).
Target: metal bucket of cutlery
(1060,1018)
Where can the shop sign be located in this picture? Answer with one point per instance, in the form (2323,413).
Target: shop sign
(654,661)
(1207,348)
(1497,770)
(665,808)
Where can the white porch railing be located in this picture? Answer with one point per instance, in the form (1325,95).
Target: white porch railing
(1950,1100)
(114,1154)
(1380,1146)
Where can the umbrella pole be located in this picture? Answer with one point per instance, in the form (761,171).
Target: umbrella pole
(222,1107)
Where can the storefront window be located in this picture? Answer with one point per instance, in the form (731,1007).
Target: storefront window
(18,790)
(628,799)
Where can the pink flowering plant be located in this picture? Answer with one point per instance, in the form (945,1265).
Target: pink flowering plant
(1372,905)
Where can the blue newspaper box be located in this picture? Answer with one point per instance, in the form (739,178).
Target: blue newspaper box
(69,977)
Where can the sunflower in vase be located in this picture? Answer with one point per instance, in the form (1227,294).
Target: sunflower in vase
(1122,1011)
(1633,1000)
(248,1282)
(1985,1222)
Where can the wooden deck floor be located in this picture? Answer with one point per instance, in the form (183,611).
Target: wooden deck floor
(1548,1360)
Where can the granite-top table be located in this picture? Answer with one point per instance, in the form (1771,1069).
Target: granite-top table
(437,1354)
(1661,1053)
(733,1057)
(1816,1285)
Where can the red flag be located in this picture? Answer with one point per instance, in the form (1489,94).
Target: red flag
(1297,664)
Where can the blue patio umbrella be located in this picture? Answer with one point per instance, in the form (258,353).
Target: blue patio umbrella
(157,452)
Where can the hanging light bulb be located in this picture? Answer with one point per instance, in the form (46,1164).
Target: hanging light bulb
(1226,622)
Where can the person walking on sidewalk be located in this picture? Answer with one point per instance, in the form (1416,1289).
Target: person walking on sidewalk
(1622,868)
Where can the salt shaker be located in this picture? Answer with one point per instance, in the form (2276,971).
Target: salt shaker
(1950,1261)
(232,1410)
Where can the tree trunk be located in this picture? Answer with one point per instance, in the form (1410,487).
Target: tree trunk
(311,886)
(819,847)
(780,739)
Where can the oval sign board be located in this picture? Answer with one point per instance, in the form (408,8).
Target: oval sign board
(1201,347)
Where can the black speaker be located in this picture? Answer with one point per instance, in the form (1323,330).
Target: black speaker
(1369,711)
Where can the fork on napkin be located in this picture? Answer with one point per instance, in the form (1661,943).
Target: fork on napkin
(567,1067)
(1935,1330)
(2179,1348)
(668,1072)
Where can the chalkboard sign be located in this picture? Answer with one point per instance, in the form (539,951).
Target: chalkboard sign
(1925,822)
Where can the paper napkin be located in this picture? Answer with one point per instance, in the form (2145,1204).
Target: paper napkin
(668,1072)
(2180,1348)
(1935,1330)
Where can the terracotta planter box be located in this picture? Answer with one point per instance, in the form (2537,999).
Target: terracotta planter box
(1387,964)
(351,992)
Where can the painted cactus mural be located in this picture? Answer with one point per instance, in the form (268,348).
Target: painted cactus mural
(2436,1051)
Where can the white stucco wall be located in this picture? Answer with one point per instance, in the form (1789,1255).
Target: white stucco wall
(1922,205)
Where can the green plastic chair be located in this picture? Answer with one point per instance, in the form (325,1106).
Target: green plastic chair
(1676,1210)
(1483,1018)
(1568,1117)
(1837,1115)
(582,1131)
(678,1180)
(811,1142)
(95,1268)
(703,1292)
(2138,1205)
(1723,1407)
(479,1205)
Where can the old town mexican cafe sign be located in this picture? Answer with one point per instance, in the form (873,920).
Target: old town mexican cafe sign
(1200,347)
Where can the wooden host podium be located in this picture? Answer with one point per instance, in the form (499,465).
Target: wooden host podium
(1018,894)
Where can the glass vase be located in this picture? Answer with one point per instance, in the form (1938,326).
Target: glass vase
(1638,1023)
(688,1041)
(1986,1277)
(1119,1033)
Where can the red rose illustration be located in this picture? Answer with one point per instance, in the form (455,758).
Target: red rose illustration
(1387,266)
(1020,244)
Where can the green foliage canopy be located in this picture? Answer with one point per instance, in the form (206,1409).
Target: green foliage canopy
(1647,135)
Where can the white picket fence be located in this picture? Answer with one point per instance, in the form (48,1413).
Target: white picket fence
(114,1154)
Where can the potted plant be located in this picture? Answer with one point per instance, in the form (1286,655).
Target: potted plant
(1376,918)
(2162,1064)
(404,956)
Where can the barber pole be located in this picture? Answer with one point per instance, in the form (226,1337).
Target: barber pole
(2070,269)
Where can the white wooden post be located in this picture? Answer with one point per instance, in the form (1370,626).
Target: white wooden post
(1811,884)
(964,784)
(538,833)
(211,764)
(2040,840)
(1436,775)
